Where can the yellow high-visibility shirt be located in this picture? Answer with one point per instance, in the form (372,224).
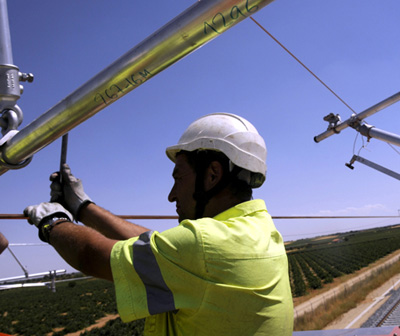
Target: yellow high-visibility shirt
(226,275)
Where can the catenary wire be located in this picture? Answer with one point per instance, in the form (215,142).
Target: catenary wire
(311,72)
(393,148)
(302,64)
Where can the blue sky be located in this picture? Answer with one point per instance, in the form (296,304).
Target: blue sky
(120,152)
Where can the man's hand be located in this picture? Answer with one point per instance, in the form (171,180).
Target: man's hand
(82,247)
(3,243)
(45,215)
(69,192)
(37,213)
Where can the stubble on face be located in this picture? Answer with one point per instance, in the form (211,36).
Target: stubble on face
(183,188)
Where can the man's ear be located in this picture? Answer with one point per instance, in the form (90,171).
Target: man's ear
(213,175)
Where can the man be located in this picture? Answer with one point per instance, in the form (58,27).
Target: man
(3,243)
(222,271)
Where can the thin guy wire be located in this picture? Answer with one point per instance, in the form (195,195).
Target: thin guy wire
(393,148)
(302,64)
(363,146)
(354,144)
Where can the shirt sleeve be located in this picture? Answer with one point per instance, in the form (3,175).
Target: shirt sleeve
(157,272)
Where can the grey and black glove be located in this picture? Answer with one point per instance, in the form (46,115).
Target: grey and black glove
(45,216)
(69,191)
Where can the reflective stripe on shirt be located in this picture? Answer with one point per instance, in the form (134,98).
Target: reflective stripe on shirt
(159,297)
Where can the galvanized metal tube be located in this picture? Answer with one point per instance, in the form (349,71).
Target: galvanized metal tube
(360,116)
(376,133)
(10,90)
(5,39)
(190,30)
(35,275)
(377,167)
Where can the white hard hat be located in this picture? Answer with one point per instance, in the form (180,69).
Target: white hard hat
(230,134)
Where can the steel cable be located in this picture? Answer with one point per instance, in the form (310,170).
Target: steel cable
(302,64)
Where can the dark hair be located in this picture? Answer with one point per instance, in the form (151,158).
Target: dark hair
(201,159)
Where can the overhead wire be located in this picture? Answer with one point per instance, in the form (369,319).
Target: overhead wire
(147,217)
(319,79)
(393,148)
(302,64)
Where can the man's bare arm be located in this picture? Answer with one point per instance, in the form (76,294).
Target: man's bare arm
(83,248)
(108,224)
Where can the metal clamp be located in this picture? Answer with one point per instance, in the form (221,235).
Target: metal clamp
(3,162)
(333,120)
(10,119)
(20,165)
(9,82)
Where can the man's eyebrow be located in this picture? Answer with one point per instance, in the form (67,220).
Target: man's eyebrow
(179,173)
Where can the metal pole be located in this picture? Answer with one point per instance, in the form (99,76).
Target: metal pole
(35,275)
(375,166)
(53,281)
(10,88)
(196,26)
(5,39)
(376,133)
(19,263)
(64,150)
(358,117)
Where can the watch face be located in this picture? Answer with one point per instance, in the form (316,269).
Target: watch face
(55,219)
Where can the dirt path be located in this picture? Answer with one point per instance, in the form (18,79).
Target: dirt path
(99,324)
(316,301)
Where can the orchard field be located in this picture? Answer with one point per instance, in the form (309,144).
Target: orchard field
(80,304)
(315,262)
(74,306)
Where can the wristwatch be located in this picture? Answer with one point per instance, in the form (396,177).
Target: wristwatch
(47,225)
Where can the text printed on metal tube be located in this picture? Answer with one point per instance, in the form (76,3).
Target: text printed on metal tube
(235,14)
(114,91)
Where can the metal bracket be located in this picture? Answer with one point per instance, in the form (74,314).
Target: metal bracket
(10,90)
(355,118)
(333,120)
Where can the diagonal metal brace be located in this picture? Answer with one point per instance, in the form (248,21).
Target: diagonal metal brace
(372,165)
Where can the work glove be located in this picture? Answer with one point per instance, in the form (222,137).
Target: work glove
(69,191)
(45,215)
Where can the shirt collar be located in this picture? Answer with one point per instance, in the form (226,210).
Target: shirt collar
(242,209)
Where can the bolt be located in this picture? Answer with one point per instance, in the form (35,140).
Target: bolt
(23,77)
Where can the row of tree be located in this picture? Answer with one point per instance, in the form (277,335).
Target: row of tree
(311,268)
(38,311)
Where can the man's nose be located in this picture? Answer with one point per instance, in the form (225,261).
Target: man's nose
(171,196)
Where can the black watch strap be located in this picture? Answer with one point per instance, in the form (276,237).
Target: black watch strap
(47,225)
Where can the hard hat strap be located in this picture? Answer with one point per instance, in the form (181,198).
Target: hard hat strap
(202,197)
